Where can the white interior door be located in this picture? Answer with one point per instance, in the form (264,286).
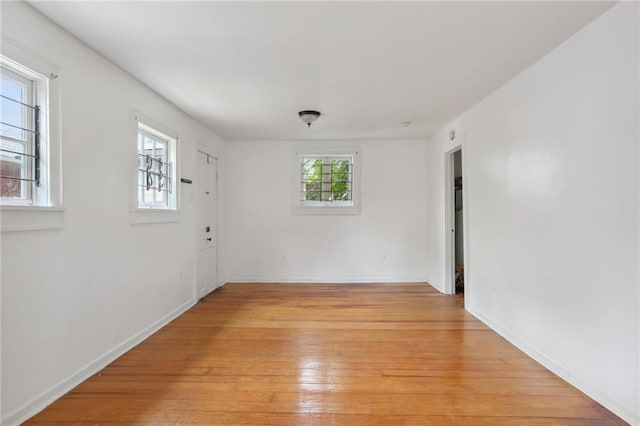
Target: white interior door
(206,187)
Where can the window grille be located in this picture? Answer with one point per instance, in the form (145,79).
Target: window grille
(19,138)
(155,180)
(157,173)
(326,180)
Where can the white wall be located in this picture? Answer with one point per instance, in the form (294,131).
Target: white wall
(72,298)
(551,187)
(266,242)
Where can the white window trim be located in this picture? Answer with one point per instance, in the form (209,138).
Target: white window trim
(299,208)
(49,213)
(146,215)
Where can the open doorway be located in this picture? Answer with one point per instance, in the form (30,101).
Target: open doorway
(454,229)
(458,240)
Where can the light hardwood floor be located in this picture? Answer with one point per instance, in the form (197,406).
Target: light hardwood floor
(354,354)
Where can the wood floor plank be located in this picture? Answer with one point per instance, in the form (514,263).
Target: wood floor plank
(320,354)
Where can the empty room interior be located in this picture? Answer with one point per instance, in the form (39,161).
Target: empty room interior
(320,213)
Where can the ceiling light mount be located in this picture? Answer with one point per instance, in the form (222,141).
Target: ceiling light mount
(309,116)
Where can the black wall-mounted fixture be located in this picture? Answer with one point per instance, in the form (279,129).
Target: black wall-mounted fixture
(309,116)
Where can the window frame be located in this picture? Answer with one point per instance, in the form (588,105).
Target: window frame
(45,211)
(141,214)
(309,207)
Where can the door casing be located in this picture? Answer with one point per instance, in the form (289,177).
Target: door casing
(450,221)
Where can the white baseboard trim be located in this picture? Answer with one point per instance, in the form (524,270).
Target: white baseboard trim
(200,294)
(438,287)
(626,413)
(263,280)
(40,402)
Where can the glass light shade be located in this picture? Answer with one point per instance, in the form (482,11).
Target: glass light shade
(309,116)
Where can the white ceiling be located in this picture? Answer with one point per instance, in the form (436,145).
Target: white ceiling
(246,69)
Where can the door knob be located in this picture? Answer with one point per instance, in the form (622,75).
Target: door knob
(209,239)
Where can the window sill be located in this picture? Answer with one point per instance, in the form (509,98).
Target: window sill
(145,216)
(30,218)
(304,210)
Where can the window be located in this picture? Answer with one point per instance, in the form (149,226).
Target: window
(30,161)
(326,182)
(23,136)
(156,174)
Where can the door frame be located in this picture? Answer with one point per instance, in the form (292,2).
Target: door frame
(450,222)
(216,240)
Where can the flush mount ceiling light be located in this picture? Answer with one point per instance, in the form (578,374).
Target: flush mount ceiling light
(309,116)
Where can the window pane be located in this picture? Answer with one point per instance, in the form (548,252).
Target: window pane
(341,180)
(161,151)
(312,191)
(312,170)
(15,140)
(11,112)
(147,145)
(312,179)
(11,167)
(161,197)
(147,196)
